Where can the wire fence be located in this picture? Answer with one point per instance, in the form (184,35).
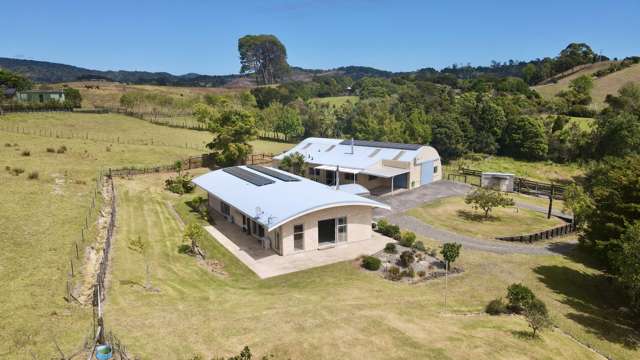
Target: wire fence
(63,134)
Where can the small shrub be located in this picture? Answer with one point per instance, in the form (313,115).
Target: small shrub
(390,248)
(496,307)
(7,168)
(34,175)
(371,263)
(393,273)
(433,253)
(181,184)
(17,171)
(407,258)
(386,229)
(51,150)
(410,272)
(519,296)
(419,245)
(25,153)
(108,148)
(422,273)
(7,144)
(407,239)
(62,149)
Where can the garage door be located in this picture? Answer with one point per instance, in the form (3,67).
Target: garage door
(426,174)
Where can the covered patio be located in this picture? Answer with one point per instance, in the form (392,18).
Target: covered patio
(378,179)
(266,263)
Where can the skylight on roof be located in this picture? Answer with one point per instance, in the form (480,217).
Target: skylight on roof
(374,153)
(330,148)
(399,155)
(307,146)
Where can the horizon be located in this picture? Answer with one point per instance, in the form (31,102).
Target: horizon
(389,37)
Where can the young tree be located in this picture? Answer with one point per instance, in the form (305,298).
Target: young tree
(519,296)
(139,246)
(288,122)
(293,163)
(193,233)
(487,199)
(232,129)
(263,55)
(535,311)
(450,252)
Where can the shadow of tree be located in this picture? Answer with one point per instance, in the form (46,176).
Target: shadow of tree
(474,216)
(595,301)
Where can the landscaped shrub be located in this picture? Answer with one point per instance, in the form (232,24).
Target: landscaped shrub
(17,171)
(386,229)
(34,175)
(496,307)
(51,150)
(410,272)
(407,239)
(62,149)
(519,296)
(390,248)
(422,273)
(371,263)
(25,153)
(393,273)
(419,245)
(407,258)
(181,184)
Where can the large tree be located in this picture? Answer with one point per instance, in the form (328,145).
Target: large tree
(524,138)
(263,55)
(232,128)
(15,81)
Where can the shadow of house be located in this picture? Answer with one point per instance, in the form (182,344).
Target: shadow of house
(596,301)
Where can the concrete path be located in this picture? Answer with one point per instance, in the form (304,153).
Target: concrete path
(409,199)
(269,264)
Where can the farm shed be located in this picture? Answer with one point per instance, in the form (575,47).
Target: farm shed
(380,167)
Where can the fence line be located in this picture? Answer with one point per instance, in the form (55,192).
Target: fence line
(61,134)
(542,235)
(520,184)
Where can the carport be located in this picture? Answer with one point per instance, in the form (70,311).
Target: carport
(399,177)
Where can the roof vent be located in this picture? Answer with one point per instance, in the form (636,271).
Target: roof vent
(399,155)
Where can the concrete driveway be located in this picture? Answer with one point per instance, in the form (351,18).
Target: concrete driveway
(415,197)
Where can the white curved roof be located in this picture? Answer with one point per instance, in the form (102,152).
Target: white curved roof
(327,151)
(279,202)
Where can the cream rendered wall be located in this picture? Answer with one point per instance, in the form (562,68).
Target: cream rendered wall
(358,226)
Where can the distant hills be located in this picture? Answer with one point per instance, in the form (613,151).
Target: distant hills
(49,72)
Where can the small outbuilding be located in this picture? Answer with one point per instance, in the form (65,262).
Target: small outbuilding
(497,181)
(287,213)
(40,96)
(380,167)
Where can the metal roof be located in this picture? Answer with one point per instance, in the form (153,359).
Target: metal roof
(381,144)
(279,202)
(324,151)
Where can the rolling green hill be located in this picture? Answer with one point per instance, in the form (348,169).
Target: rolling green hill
(602,86)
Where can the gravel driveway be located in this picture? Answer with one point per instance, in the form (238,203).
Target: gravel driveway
(428,193)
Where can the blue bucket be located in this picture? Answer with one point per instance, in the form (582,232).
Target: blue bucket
(104,352)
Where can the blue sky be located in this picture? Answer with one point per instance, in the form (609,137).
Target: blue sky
(201,36)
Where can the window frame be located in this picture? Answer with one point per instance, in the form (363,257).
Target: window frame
(343,227)
(299,233)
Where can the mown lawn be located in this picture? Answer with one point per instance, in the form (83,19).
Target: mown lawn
(453,214)
(338,311)
(41,218)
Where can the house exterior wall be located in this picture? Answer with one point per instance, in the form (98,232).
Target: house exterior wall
(358,225)
(35,96)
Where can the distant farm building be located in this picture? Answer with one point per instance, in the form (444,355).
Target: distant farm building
(378,167)
(40,96)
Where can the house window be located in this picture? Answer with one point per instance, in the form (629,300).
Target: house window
(435,169)
(298,237)
(254,227)
(312,171)
(342,229)
(372,177)
(350,177)
(260,231)
(225,208)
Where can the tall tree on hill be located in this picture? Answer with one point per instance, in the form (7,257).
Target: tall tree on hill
(263,55)
(14,81)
